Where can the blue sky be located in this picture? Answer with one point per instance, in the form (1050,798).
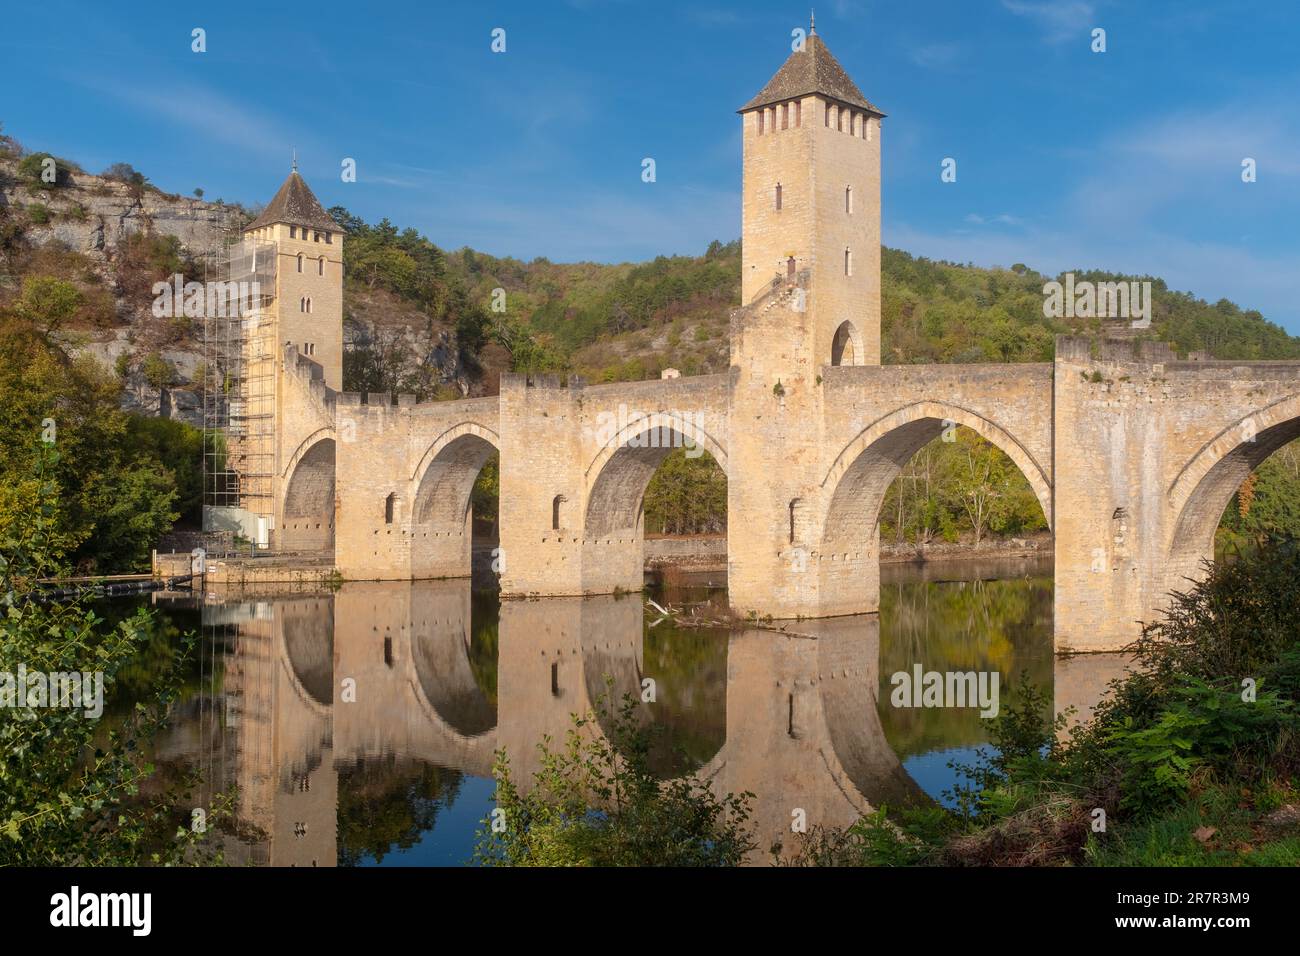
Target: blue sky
(1127,160)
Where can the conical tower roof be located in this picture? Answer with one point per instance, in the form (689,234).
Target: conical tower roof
(296,205)
(811,70)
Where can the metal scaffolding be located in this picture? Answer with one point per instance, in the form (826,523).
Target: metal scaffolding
(239,387)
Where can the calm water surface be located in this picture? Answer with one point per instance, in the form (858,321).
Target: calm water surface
(358,728)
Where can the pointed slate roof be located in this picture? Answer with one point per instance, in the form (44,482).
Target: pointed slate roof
(810,70)
(297,205)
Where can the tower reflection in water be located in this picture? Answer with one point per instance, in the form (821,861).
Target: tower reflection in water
(358,725)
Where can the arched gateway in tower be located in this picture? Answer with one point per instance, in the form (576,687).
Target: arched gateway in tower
(1119,442)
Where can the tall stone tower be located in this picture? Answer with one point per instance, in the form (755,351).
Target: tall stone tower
(811,201)
(810,299)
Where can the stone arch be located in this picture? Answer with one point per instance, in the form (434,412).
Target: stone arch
(846,347)
(619,474)
(860,475)
(446,474)
(1204,486)
(307,519)
(440,515)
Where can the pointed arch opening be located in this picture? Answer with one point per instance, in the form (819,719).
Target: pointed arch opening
(307,522)
(925,473)
(454,507)
(1237,489)
(846,346)
(662,478)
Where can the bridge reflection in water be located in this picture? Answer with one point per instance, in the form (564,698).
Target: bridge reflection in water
(381,700)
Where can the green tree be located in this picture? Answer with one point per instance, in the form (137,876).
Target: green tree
(71,780)
(47,302)
(158,372)
(115,500)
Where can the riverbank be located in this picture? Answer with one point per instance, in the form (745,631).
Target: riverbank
(709,552)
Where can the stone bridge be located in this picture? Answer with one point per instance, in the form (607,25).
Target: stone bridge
(1133,461)
(1132,453)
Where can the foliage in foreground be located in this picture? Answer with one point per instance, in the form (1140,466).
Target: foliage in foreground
(1194,758)
(70,786)
(595,802)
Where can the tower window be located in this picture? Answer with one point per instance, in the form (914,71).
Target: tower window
(848,200)
(785,115)
(866,128)
(390,507)
(556,504)
(798,112)
(300,262)
(839,119)
(778,197)
(761,114)
(320,266)
(848,262)
(293,232)
(329,238)
(828,115)
(309,303)
(302,304)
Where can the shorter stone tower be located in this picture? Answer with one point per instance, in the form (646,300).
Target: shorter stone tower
(308,307)
(305,312)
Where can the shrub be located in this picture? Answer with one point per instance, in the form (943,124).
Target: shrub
(158,372)
(35,171)
(124,173)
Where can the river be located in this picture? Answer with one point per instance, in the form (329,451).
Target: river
(359,727)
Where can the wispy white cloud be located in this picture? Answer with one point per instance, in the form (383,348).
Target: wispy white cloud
(1002,219)
(1254,278)
(209,116)
(584,224)
(712,17)
(1162,197)
(1059,20)
(845,9)
(936,56)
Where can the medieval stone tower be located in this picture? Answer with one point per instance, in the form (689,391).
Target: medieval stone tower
(810,290)
(811,201)
(305,312)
